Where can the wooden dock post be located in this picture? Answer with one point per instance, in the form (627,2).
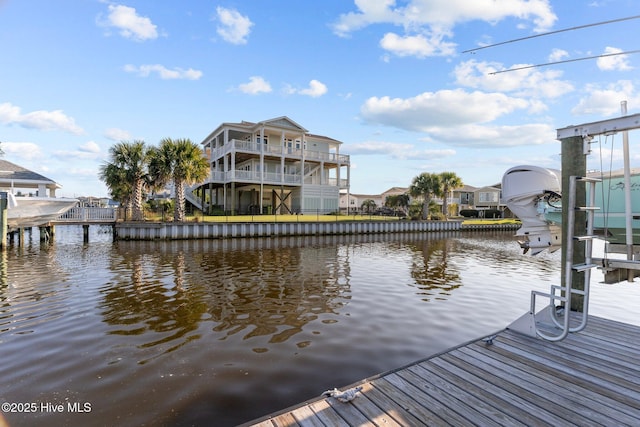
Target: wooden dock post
(3,220)
(574,163)
(85,233)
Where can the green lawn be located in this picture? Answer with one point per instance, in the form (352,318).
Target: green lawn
(478,221)
(278,218)
(314,218)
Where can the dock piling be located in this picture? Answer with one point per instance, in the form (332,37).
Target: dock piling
(3,220)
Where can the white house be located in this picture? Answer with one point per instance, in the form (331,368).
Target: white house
(352,203)
(22,181)
(272,166)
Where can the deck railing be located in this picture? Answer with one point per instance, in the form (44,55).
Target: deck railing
(88,215)
(253,147)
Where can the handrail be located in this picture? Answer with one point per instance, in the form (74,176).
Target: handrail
(567,290)
(257,148)
(89,214)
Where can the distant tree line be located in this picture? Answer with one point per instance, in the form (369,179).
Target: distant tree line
(134,168)
(424,188)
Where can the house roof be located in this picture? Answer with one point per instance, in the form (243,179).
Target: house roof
(488,187)
(466,188)
(396,190)
(282,122)
(12,174)
(365,196)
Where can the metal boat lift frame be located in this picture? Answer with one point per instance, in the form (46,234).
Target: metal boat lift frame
(547,323)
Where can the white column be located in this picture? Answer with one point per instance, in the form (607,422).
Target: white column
(262,168)
(283,150)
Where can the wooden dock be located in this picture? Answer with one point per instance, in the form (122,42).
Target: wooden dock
(592,378)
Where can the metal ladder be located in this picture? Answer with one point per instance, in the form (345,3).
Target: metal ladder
(549,324)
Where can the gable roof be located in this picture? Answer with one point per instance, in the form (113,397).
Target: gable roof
(283,122)
(12,174)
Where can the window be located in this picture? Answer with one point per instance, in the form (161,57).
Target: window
(486,197)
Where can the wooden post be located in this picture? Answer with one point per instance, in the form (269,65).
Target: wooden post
(44,235)
(3,220)
(574,163)
(85,233)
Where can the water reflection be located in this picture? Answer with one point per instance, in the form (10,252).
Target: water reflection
(432,274)
(182,331)
(267,287)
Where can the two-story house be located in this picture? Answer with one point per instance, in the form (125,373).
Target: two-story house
(273,166)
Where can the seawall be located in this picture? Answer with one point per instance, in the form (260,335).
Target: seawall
(216,230)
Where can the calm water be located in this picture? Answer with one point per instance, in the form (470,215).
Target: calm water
(221,332)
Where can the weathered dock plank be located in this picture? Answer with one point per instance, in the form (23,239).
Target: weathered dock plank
(590,379)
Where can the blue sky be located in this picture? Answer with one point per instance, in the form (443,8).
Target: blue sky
(387,78)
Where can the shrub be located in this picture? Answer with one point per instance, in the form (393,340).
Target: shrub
(469,213)
(492,213)
(438,216)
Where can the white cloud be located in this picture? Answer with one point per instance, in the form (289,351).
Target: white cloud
(605,101)
(255,86)
(418,45)
(234,28)
(41,119)
(445,108)
(21,150)
(480,136)
(130,24)
(558,55)
(163,72)
(316,89)
(397,150)
(614,63)
(87,151)
(90,147)
(116,134)
(436,18)
(528,82)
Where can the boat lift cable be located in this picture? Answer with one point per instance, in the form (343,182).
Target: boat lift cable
(552,32)
(608,193)
(604,55)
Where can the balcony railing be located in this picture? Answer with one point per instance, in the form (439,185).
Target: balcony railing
(270,178)
(256,148)
(254,177)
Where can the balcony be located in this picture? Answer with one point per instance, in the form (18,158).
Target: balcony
(239,146)
(253,177)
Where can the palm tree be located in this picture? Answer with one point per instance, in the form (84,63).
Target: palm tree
(120,188)
(450,181)
(182,162)
(126,172)
(368,205)
(426,185)
(398,201)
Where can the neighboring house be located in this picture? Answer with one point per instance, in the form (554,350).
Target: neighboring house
(394,191)
(487,198)
(96,202)
(21,181)
(354,201)
(272,166)
(464,197)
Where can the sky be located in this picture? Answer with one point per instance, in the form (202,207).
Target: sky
(390,79)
